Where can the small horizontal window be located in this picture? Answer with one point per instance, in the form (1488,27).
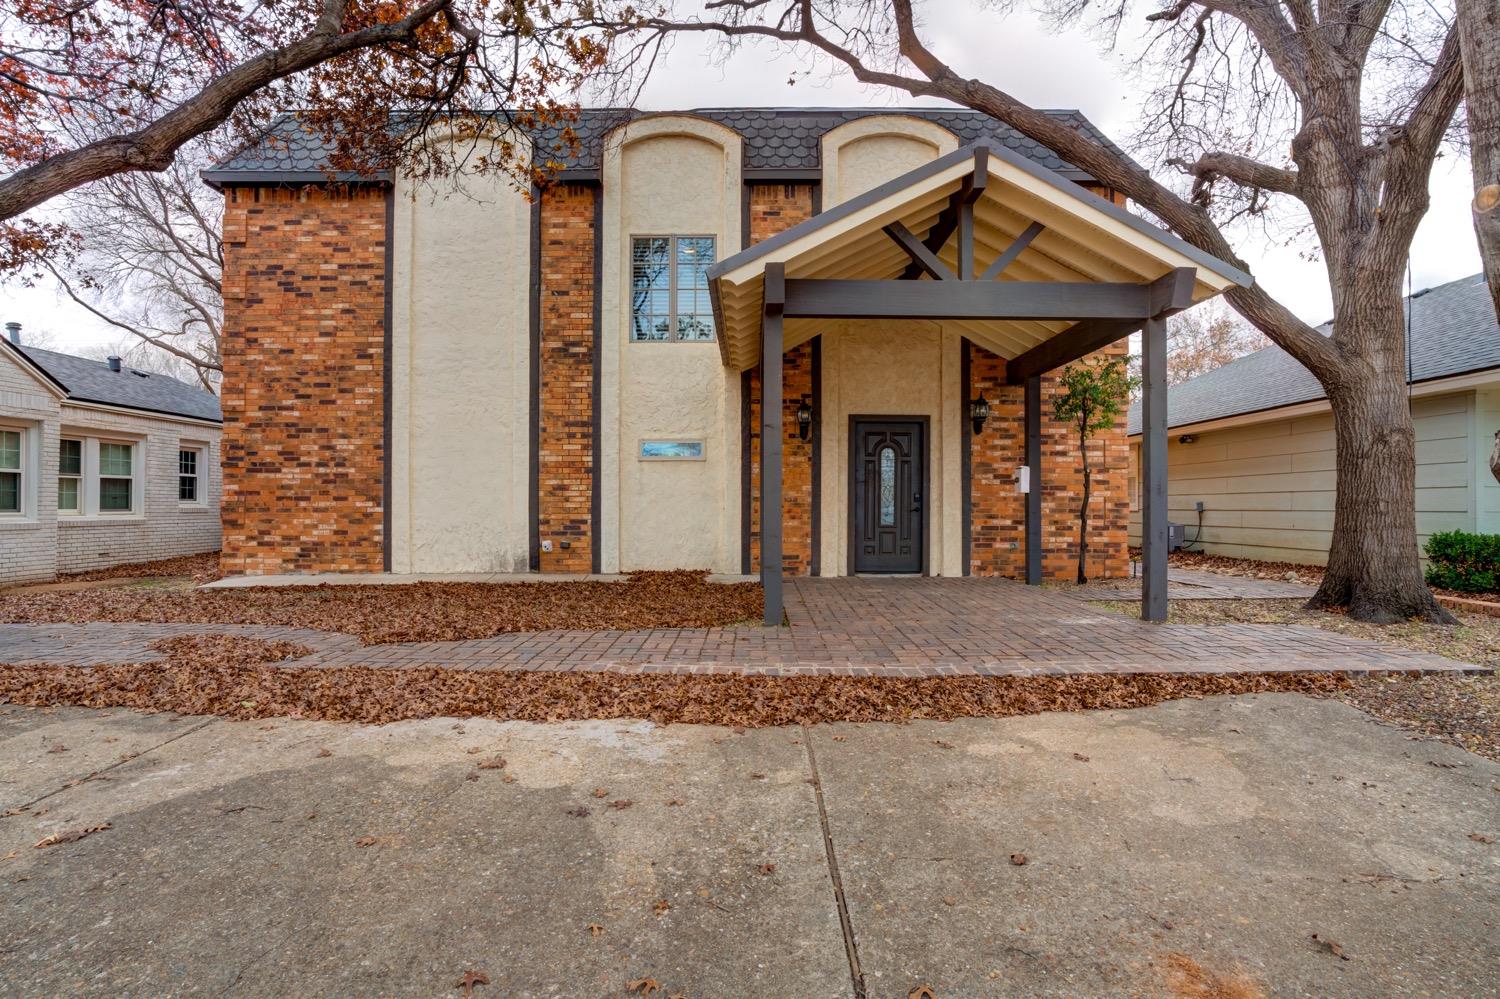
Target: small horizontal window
(672,450)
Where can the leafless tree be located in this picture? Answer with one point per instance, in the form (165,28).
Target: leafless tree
(1336,110)
(150,262)
(1479,34)
(1205,338)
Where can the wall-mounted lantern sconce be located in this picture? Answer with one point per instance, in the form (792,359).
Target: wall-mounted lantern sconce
(1186,439)
(804,419)
(979,411)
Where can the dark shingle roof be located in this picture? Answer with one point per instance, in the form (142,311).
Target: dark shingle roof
(776,139)
(92,381)
(1453,332)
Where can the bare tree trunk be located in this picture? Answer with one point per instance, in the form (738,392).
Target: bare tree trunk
(1479,38)
(1083,512)
(1373,565)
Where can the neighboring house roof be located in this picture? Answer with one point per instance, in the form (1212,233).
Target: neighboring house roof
(85,380)
(779,142)
(1453,332)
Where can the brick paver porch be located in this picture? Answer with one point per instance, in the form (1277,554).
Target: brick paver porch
(862,626)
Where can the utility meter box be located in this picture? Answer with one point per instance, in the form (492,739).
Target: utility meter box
(1023,478)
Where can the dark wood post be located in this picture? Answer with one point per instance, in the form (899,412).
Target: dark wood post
(1033,407)
(771,442)
(1154,469)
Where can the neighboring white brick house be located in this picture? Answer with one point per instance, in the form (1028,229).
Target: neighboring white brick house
(101,466)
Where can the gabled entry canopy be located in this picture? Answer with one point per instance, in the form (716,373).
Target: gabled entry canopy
(1004,251)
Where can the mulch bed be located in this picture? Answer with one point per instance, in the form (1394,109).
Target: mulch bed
(415,612)
(1462,711)
(189,685)
(201,568)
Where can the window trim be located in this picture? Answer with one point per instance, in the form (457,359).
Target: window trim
(673,335)
(78,477)
(198,451)
(23,472)
(132,478)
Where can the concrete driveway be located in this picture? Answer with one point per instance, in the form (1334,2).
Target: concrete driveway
(299,858)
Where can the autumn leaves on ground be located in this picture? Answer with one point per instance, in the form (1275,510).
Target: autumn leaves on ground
(412,612)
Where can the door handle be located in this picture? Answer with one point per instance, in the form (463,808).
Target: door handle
(916,499)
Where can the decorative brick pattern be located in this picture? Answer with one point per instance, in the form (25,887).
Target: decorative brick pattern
(303,395)
(999,516)
(773,208)
(566,446)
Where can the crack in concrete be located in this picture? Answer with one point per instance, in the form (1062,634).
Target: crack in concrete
(851,946)
(95,775)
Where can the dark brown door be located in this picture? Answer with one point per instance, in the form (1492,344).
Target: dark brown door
(889,472)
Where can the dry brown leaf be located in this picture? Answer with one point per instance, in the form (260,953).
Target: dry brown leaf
(950,900)
(840,738)
(1481,838)
(1329,947)
(59,748)
(1080,758)
(579,813)
(1187,979)
(508,778)
(939,743)
(364,841)
(767,869)
(600,792)
(1018,859)
(471,978)
(922,992)
(71,836)
(474,750)
(595,929)
(621,804)
(661,907)
(493,763)
(674,802)
(325,751)
(643,986)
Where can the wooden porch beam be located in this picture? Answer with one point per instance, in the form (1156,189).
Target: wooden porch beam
(921,257)
(1166,296)
(949,220)
(1012,252)
(771,443)
(1043,300)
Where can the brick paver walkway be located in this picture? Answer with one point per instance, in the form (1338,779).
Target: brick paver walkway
(860,627)
(1198,584)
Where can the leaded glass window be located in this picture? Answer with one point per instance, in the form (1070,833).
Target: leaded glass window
(887,463)
(669,288)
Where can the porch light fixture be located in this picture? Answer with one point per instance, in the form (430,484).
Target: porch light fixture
(804,419)
(979,411)
(1187,439)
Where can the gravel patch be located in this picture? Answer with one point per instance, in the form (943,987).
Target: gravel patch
(415,612)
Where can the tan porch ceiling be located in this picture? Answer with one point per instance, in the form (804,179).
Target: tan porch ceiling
(1081,238)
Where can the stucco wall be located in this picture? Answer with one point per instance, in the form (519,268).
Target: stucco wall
(1268,488)
(869,151)
(667,514)
(460,377)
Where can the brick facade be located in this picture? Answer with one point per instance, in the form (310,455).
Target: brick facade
(999,514)
(565,457)
(774,207)
(304,371)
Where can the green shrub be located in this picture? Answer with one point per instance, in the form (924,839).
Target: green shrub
(1469,563)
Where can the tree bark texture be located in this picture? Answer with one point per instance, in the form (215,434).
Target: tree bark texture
(1479,40)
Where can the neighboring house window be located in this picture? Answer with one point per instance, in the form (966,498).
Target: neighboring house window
(187,475)
(69,475)
(669,288)
(116,476)
(10,471)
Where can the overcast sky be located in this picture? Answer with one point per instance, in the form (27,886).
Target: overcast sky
(1015,52)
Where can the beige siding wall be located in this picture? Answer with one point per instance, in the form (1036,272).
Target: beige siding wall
(1268,488)
(1486,425)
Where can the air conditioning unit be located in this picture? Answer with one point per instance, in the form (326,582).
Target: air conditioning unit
(1176,535)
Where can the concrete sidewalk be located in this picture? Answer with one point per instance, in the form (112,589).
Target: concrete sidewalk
(299,858)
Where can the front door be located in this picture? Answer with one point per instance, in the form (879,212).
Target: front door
(889,471)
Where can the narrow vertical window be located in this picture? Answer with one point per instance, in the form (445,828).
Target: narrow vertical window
(116,477)
(10,471)
(887,463)
(669,297)
(69,476)
(187,475)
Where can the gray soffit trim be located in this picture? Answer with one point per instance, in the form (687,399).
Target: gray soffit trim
(270,178)
(942,163)
(788,175)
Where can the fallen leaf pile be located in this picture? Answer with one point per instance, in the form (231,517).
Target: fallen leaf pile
(377,696)
(415,612)
(71,836)
(226,650)
(201,568)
